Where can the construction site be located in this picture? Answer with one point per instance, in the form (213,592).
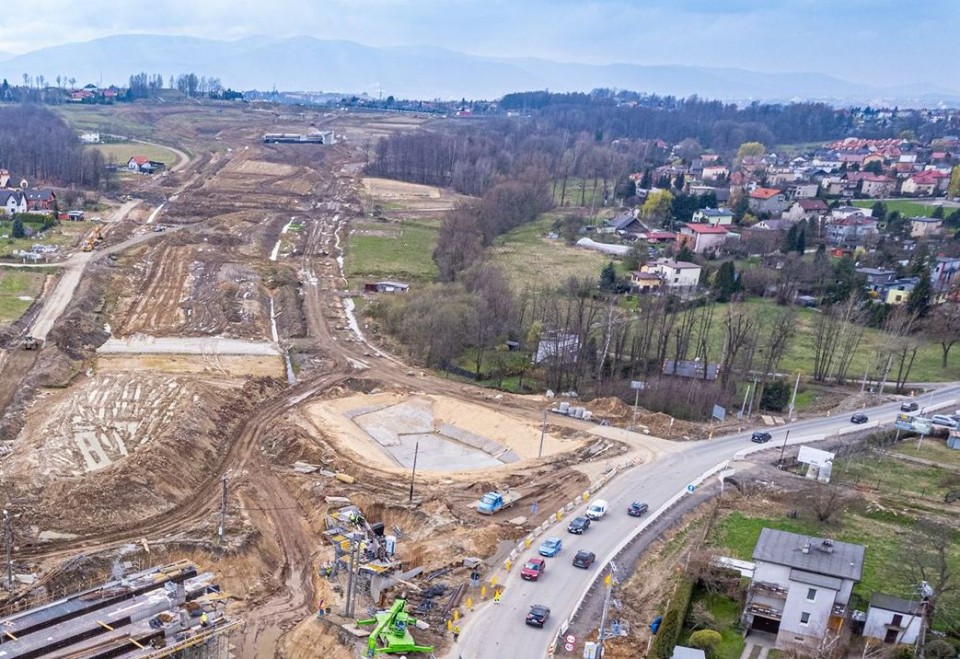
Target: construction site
(203,398)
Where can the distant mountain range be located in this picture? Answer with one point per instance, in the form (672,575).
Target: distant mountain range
(308,64)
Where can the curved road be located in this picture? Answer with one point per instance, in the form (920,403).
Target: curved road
(499,632)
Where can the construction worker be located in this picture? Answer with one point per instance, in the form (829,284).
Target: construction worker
(204,620)
(496,596)
(321,608)
(456,633)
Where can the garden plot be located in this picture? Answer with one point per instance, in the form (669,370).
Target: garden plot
(452,435)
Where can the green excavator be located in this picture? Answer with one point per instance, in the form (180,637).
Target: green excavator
(393,631)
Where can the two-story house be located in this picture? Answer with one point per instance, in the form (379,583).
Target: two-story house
(877,279)
(12,202)
(927,183)
(943,272)
(923,227)
(801,586)
(767,200)
(681,275)
(850,230)
(806,209)
(702,238)
(898,291)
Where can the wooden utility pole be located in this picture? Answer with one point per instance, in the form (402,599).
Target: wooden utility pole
(223,512)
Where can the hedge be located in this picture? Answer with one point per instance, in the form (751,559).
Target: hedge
(669,632)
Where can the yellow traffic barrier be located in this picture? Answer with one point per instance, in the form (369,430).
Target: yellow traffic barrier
(483,592)
(507,565)
(449,625)
(456,615)
(470,603)
(526,542)
(586,495)
(493,580)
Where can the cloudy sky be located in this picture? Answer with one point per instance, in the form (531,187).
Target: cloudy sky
(878,42)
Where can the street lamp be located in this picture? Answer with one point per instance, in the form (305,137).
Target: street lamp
(543,431)
(782,449)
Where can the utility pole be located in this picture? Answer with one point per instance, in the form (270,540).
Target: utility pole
(543,431)
(223,511)
(782,449)
(8,543)
(750,409)
(744,405)
(886,370)
(413,473)
(608,582)
(793,399)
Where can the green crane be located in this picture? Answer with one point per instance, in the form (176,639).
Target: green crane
(393,630)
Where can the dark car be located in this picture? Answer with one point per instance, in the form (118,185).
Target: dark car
(579,525)
(912,406)
(538,616)
(859,417)
(761,437)
(637,508)
(584,559)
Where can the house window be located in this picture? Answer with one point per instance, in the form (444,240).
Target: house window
(804,618)
(811,594)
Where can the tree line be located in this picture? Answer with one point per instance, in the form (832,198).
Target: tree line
(38,144)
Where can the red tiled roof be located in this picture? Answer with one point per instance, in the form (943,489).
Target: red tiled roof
(705,228)
(140,160)
(928,176)
(764,193)
(813,204)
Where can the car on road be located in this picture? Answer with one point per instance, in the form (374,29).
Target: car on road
(859,417)
(637,508)
(761,437)
(533,568)
(943,420)
(584,559)
(551,547)
(538,615)
(911,406)
(579,525)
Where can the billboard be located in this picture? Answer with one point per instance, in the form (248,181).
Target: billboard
(904,422)
(814,456)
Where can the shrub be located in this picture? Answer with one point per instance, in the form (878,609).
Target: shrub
(706,640)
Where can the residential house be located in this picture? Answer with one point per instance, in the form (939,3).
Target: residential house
(702,238)
(681,275)
(806,209)
(943,272)
(714,216)
(833,186)
(714,172)
(12,202)
(801,587)
(869,184)
(924,227)
(658,236)
(928,183)
(843,212)
(898,291)
(625,222)
(40,200)
(645,282)
(802,190)
(136,162)
(893,620)
(877,279)
(850,230)
(768,200)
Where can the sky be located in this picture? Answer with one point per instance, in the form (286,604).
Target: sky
(877,42)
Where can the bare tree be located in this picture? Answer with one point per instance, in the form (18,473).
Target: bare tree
(739,326)
(825,500)
(943,326)
(929,559)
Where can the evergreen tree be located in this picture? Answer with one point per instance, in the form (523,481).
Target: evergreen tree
(679,181)
(921,297)
(725,283)
(789,243)
(879,211)
(937,213)
(608,277)
(801,244)
(685,253)
(17,230)
(740,207)
(647,180)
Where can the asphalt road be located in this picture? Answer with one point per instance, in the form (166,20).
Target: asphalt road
(499,632)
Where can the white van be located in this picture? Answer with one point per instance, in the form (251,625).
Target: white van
(597,509)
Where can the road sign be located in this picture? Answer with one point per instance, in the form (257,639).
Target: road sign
(639,385)
(719,413)
(568,647)
(570,638)
(691,488)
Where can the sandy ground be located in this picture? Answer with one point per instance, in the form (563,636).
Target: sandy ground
(201,345)
(331,418)
(228,365)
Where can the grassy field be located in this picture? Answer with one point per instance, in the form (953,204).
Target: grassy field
(929,449)
(103,119)
(530,259)
(726,612)
(799,356)
(121,153)
(907,208)
(64,235)
(401,250)
(18,289)
(577,187)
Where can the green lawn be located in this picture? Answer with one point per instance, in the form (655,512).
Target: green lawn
(577,187)
(18,289)
(726,612)
(103,119)
(398,250)
(121,153)
(531,260)
(799,356)
(893,477)
(907,207)
(64,235)
(929,449)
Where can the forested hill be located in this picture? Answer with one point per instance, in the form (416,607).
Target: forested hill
(38,144)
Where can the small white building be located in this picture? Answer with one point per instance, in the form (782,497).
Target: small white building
(674,274)
(893,620)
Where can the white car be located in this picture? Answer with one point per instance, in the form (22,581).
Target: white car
(943,420)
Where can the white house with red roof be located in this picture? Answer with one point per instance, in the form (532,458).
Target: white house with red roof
(703,238)
(136,162)
(927,183)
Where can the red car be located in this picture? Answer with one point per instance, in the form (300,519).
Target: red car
(533,568)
